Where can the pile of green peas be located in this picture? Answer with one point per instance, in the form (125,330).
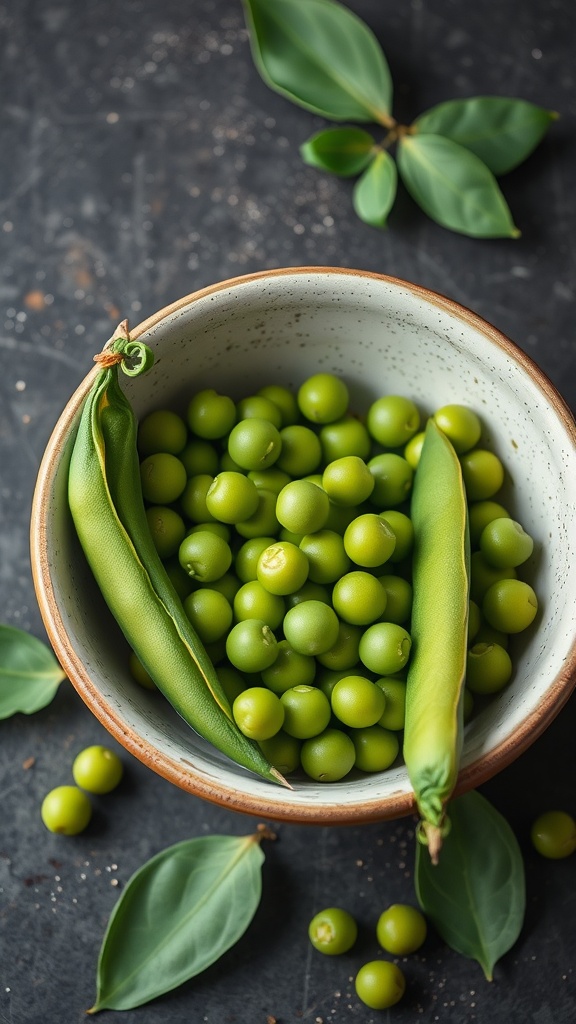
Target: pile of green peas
(283,521)
(400,930)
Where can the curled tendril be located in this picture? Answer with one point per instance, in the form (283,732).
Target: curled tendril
(138,358)
(134,356)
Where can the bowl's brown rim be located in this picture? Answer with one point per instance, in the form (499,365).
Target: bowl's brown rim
(471,776)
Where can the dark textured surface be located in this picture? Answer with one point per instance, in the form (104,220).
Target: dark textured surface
(142,157)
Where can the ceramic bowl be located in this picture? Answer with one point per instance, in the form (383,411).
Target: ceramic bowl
(384,336)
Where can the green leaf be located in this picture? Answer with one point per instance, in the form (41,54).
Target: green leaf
(177,915)
(375,192)
(320,55)
(29,673)
(502,132)
(342,151)
(454,187)
(475,895)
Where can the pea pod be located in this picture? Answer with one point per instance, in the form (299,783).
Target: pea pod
(105,499)
(435,684)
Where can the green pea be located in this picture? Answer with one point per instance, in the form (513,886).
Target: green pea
(193,500)
(348,481)
(162,431)
(251,647)
(376,748)
(553,834)
(398,598)
(384,648)
(413,449)
(163,478)
(211,415)
(394,713)
(259,407)
(302,507)
(97,769)
(232,681)
(328,757)
(209,612)
(252,601)
(167,529)
(282,568)
(401,929)
(347,436)
(333,931)
(357,702)
(67,810)
(393,420)
(510,605)
(232,497)
(263,521)
(284,400)
(306,711)
(282,752)
(290,669)
(204,556)
(461,425)
(301,451)
(483,474)
(505,544)
(254,444)
(474,620)
(369,541)
(323,398)
(247,556)
(258,713)
(380,984)
(403,530)
(199,457)
(311,627)
(359,598)
(344,653)
(326,555)
(393,478)
(488,668)
(480,513)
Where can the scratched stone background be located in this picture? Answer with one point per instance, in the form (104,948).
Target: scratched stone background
(142,157)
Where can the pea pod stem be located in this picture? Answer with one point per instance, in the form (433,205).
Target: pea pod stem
(435,683)
(105,500)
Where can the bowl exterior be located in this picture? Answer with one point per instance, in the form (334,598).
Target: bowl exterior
(384,336)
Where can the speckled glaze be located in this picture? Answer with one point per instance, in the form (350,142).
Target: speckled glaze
(384,336)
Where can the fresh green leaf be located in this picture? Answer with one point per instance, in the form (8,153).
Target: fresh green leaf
(475,895)
(320,55)
(375,192)
(29,673)
(342,151)
(177,915)
(454,187)
(502,132)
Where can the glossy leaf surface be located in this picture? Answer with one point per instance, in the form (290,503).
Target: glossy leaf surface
(178,914)
(501,131)
(454,187)
(375,192)
(341,151)
(29,673)
(475,895)
(320,55)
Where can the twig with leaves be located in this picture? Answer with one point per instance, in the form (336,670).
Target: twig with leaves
(320,55)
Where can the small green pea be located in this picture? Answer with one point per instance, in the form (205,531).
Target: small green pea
(333,931)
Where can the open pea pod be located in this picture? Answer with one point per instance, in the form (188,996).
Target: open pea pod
(435,683)
(105,498)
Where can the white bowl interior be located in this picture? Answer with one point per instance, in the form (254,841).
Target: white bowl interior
(383,337)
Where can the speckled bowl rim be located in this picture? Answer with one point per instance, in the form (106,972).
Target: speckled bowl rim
(471,775)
